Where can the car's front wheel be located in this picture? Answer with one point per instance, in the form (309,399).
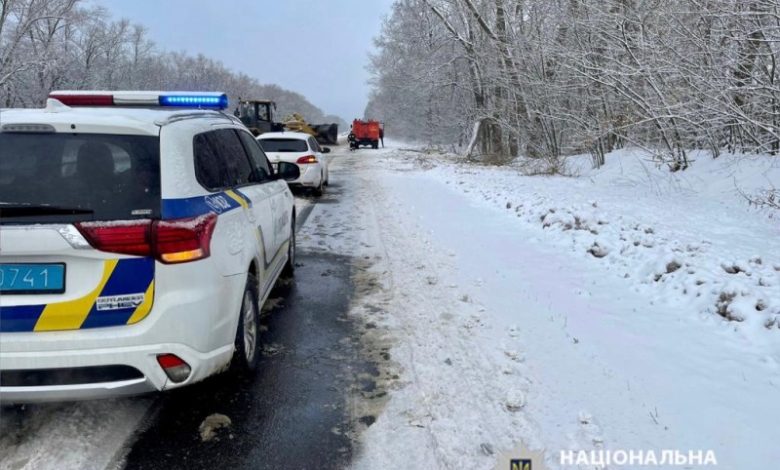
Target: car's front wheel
(247,344)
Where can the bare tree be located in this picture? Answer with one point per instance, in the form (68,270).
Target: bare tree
(549,78)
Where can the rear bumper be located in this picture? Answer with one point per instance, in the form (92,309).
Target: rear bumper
(310,176)
(194,316)
(144,359)
(41,394)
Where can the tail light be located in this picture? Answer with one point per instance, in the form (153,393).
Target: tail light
(126,237)
(179,241)
(175,368)
(307,159)
(170,241)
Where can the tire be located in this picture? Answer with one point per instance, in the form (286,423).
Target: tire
(247,344)
(318,190)
(374,145)
(289,268)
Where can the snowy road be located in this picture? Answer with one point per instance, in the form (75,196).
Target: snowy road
(293,414)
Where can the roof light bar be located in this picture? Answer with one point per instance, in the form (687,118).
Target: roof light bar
(210,100)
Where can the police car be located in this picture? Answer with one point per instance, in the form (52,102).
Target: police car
(140,232)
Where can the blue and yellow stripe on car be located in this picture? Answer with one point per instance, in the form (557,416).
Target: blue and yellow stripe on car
(217,203)
(119,277)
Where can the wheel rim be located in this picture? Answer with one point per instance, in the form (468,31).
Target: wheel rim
(250,327)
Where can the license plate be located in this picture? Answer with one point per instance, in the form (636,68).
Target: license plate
(32,278)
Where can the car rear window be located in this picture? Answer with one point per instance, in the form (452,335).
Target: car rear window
(48,178)
(283,145)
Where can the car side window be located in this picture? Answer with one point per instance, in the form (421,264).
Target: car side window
(234,156)
(257,157)
(314,145)
(210,170)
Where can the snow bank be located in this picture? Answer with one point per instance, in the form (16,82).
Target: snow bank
(688,239)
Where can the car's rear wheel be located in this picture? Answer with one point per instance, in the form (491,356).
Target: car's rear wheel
(247,344)
(289,268)
(318,190)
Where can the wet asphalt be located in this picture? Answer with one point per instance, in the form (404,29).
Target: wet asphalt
(294,413)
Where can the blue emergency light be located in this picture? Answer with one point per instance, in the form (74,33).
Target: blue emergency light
(218,101)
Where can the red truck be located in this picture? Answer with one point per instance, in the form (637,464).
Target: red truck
(366,133)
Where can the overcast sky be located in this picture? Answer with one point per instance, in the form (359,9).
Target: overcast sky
(318,48)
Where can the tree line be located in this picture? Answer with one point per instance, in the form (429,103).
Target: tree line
(550,78)
(64,44)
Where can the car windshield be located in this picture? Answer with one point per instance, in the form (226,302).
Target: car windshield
(284,145)
(70,177)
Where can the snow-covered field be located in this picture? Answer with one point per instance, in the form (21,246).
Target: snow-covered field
(626,308)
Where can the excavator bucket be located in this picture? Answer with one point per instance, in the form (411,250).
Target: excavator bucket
(327,133)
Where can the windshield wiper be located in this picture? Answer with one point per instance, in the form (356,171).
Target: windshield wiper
(11,209)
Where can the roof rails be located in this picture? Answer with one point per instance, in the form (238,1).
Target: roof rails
(183,116)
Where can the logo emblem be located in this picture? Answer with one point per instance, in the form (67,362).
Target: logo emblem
(520,464)
(521,458)
(119,302)
(217,203)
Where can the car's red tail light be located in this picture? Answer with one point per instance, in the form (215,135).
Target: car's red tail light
(170,241)
(130,237)
(307,159)
(179,241)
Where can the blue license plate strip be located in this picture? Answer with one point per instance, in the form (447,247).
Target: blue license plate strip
(32,278)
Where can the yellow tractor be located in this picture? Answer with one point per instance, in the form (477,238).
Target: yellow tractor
(258,117)
(324,133)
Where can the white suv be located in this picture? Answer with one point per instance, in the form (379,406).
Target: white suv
(139,234)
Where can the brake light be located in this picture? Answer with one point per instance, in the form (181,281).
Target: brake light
(307,159)
(170,241)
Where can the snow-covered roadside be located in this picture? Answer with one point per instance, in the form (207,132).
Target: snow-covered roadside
(506,331)
(686,239)
(87,435)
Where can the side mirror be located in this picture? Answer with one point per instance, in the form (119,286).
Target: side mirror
(325,150)
(288,171)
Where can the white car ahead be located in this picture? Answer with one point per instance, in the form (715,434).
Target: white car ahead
(140,235)
(303,150)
